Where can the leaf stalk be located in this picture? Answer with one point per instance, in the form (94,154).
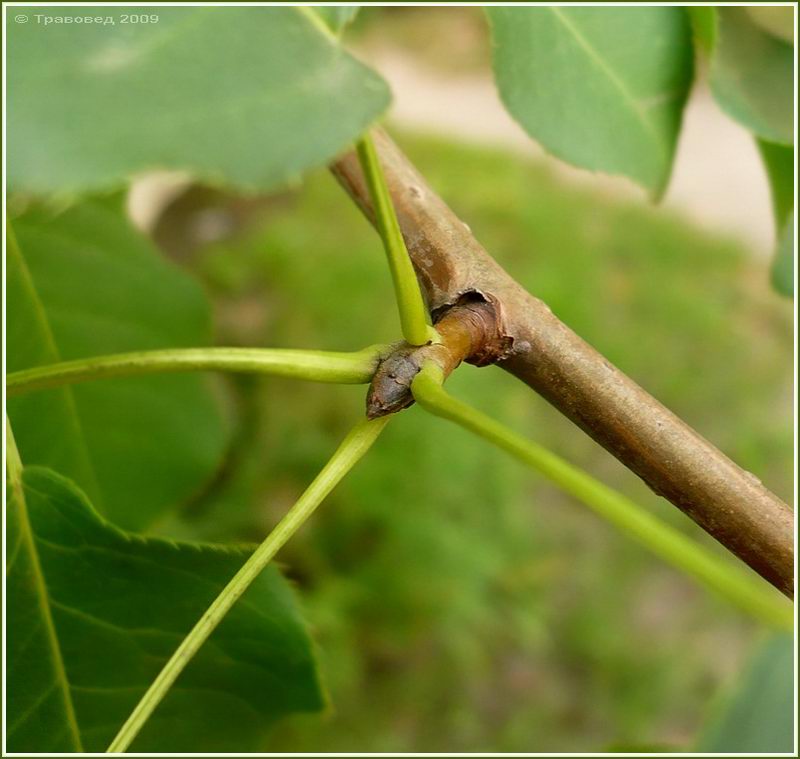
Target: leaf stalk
(318,366)
(353,447)
(414,319)
(731,582)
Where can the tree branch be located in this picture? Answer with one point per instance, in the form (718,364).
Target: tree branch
(731,581)
(674,460)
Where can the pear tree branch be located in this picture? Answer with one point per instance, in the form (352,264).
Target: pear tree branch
(672,458)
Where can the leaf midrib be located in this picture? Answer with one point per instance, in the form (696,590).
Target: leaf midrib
(628,97)
(15,479)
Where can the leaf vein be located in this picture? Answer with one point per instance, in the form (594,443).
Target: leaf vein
(640,112)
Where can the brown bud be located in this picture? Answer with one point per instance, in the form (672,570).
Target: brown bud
(470,331)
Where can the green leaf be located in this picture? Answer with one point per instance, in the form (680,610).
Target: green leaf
(337,17)
(783,264)
(779,164)
(82,282)
(601,88)
(248,95)
(94,613)
(759,717)
(752,77)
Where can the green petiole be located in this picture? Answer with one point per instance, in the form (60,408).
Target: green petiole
(729,581)
(318,366)
(414,320)
(353,447)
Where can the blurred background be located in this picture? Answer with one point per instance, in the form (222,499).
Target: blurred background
(459,602)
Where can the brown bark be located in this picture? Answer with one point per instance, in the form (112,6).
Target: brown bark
(675,461)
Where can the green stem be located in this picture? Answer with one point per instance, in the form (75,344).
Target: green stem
(320,366)
(414,319)
(729,581)
(353,447)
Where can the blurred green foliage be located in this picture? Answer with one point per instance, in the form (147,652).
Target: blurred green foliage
(460,603)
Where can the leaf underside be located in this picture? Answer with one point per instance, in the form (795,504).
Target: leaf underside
(601,88)
(81,283)
(94,613)
(247,95)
